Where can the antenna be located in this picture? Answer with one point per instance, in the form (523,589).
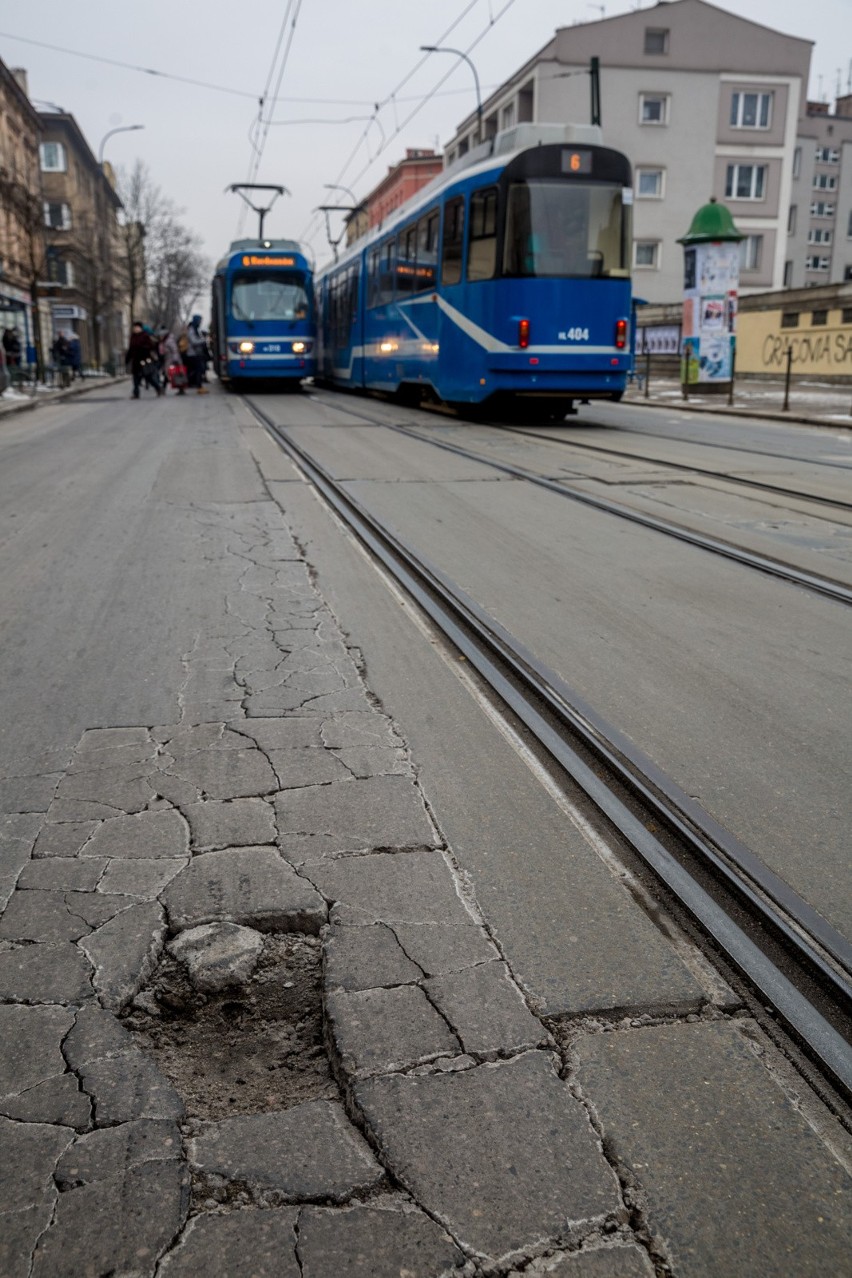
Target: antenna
(242,187)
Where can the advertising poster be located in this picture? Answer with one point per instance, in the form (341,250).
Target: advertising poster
(690,360)
(711,276)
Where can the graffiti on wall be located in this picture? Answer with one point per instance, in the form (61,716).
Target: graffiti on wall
(828,351)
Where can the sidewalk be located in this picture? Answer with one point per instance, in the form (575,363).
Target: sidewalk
(811,402)
(254,1020)
(18,401)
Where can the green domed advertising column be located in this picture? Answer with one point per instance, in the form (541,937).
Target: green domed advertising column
(711,276)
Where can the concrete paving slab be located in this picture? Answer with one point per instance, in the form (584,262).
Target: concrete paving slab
(733,1175)
(45,974)
(19,1233)
(487,1011)
(284,734)
(251,886)
(63,840)
(96,908)
(63,874)
(604,1262)
(118,1226)
(14,857)
(386,887)
(126,787)
(190,738)
(111,738)
(122,758)
(306,767)
(97,1034)
(140,877)
(57,1101)
(374,761)
(149,835)
(354,728)
(377,1031)
(237,823)
(502,1155)
(374,1242)
(310,1151)
(127,1087)
(101,1155)
(29,1153)
(264,1240)
(439,947)
(28,794)
(30,1045)
(365,958)
(41,916)
(124,952)
(226,774)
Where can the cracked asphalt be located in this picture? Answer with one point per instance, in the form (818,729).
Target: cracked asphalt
(205,749)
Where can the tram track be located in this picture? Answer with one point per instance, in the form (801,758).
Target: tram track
(793,959)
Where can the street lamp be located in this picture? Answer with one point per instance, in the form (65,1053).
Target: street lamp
(123,128)
(442,48)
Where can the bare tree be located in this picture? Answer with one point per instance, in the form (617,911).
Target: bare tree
(163,268)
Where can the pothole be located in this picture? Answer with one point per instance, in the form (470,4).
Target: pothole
(250,1049)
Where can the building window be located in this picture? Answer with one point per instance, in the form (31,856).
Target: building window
(797,162)
(827,155)
(751,251)
(507,116)
(656,40)
(790,319)
(791,220)
(819,208)
(847,275)
(646,255)
(825,181)
(817,263)
(650,184)
(59,271)
(788,275)
(653,108)
(52,155)
(57,216)
(751,110)
(745,181)
(846,313)
(818,317)
(819,235)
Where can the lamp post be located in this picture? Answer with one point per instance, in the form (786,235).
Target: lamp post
(442,48)
(123,128)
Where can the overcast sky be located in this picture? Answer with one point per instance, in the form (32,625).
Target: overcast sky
(335,65)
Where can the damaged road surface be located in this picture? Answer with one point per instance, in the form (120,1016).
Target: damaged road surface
(260,1012)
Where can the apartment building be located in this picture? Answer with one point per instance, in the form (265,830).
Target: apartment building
(819,225)
(83,284)
(20,233)
(704,103)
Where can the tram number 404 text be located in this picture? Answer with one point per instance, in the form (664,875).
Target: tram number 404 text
(574,335)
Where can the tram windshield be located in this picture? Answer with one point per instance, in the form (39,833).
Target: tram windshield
(565,229)
(272,295)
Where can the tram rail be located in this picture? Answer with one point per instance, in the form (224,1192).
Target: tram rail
(788,954)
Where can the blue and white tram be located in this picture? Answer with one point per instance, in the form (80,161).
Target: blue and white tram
(506,277)
(263,323)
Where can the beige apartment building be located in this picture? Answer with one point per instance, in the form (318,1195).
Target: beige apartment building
(21,244)
(704,103)
(84,289)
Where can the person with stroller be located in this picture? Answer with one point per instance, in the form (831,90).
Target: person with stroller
(141,358)
(195,354)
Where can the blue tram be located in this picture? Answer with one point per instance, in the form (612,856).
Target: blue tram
(262,311)
(507,277)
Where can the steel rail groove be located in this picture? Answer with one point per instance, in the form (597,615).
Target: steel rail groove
(530,433)
(456,617)
(762,563)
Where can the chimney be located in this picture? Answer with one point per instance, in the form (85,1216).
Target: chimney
(20,74)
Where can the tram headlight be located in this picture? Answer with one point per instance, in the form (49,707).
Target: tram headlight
(388,347)
(299,348)
(246,348)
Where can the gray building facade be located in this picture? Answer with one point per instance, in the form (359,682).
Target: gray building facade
(704,103)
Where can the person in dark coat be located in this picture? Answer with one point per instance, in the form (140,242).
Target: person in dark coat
(75,356)
(141,351)
(12,347)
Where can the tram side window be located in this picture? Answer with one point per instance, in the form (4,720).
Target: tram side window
(427,250)
(386,273)
(453,242)
(373,278)
(406,261)
(482,249)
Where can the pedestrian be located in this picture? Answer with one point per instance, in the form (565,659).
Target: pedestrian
(75,356)
(139,356)
(12,347)
(195,350)
(172,362)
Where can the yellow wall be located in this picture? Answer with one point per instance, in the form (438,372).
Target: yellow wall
(824,349)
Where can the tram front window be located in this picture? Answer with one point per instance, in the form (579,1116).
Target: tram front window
(272,296)
(564,229)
